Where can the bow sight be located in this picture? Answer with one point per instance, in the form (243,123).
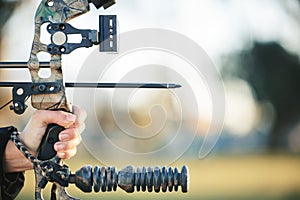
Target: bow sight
(49,94)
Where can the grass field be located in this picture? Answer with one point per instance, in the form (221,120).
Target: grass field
(265,177)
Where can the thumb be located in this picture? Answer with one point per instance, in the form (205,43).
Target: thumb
(61,118)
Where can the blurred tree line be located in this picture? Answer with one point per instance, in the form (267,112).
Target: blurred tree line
(273,73)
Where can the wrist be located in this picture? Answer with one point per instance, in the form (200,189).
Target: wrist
(25,141)
(14,160)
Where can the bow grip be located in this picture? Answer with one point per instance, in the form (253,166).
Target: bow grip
(46,150)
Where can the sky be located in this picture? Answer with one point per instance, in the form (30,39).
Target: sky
(217,26)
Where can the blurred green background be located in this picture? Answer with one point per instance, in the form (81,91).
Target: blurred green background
(255,45)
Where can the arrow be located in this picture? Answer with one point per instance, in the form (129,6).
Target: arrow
(105,85)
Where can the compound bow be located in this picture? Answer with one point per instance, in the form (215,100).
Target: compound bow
(49,94)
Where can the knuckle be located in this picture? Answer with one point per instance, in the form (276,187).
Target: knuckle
(71,143)
(66,155)
(71,132)
(70,153)
(74,133)
(62,114)
(37,114)
(68,145)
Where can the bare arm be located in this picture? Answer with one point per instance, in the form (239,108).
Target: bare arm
(14,160)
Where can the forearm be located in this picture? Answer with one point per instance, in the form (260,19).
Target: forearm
(14,160)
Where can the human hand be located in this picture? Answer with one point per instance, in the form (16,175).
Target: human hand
(66,148)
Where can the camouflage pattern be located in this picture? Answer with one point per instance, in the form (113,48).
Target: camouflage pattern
(56,11)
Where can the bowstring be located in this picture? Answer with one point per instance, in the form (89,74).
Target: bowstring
(6,104)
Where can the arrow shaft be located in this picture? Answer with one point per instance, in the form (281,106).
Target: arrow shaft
(105,85)
(20,65)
